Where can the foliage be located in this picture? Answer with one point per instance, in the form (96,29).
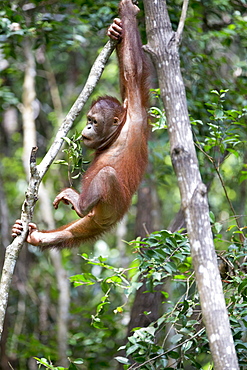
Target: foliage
(66,37)
(224,135)
(224,128)
(158,118)
(208,57)
(73,153)
(161,256)
(48,364)
(117,278)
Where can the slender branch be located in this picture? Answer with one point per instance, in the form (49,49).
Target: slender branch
(216,167)
(241,236)
(182,21)
(37,173)
(167,352)
(12,251)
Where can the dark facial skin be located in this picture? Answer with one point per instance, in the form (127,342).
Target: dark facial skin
(100,126)
(91,134)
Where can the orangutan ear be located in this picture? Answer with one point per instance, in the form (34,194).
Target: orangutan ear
(115,121)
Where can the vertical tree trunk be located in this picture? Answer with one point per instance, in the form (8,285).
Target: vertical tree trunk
(28,100)
(163,46)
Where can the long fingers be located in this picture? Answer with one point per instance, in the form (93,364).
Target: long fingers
(115,30)
(118,22)
(17,228)
(55,203)
(32,226)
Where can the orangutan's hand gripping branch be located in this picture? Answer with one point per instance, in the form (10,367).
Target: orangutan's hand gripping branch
(118,134)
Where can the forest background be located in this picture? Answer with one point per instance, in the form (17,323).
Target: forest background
(54,45)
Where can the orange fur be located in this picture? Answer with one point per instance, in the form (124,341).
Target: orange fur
(118,133)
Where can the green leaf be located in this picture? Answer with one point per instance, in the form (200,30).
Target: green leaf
(215,92)
(176,338)
(231,227)
(76,176)
(68,141)
(122,360)
(219,114)
(233,151)
(132,349)
(180,277)
(104,286)
(212,217)
(187,345)
(157,276)
(60,161)
(78,361)
(84,279)
(150,330)
(242,286)
(113,279)
(44,362)
(174,354)
(218,227)
(160,321)
(243,176)
(100,307)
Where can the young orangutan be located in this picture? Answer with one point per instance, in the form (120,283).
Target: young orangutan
(118,133)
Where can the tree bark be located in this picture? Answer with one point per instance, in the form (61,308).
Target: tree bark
(163,46)
(27,108)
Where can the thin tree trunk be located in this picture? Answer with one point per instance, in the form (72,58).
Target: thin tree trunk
(27,108)
(163,46)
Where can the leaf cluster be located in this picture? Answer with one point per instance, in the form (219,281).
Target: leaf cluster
(48,364)
(224,128)
(161,256)
(74,159)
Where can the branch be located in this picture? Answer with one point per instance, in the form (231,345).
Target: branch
(93,78)
(166,352)
(38,172)
(217,169)
(182,21)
